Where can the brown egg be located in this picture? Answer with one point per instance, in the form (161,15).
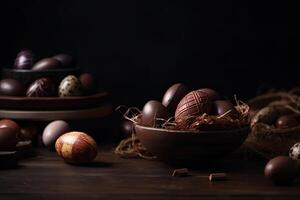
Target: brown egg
(213,95)
(66,60)
(76,147)
(28,132)
(126,128)
(282,170)
(194,103)
(88,83)
(8,139)
(173,96)
(10,124)
(287,121)
(154,113)
(46,64)
(220,107)
(11,87)
(42,87)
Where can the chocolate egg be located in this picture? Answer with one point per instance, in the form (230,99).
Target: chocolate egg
(194,103)
(66,60)
(126,128)
(294,152)
(70,86)
(76,147)
(213,95)
(42,87)
(220,107)
(282,170)
(4,123)
(287,121)
(24,59)
(154,113)
(173,96)
(88,83)
(53,131)
(28,132)
(11,87)
(47,64)
(8,139)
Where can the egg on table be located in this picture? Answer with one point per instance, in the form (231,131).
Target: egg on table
(53,131)
(70,86)
(76,147)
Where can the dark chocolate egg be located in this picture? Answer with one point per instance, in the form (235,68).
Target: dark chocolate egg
(88,83)
(4,123)
(220,107)
(213,95)
(66,60)
(282,170)
(194,103)
(173,96)
(8,139)
(11,87)
(126,128)
(28,132)
(154,113)
(47,64)
(42,87)
(53,131)
(76,147)
(287,121)
(24,60)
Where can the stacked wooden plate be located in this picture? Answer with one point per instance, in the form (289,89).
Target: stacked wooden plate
(53,108)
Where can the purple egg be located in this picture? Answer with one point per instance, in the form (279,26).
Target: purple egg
(24,60)
(65,59)
(42,87)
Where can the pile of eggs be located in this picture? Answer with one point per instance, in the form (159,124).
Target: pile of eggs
(72,146)
(71,85)
(180,103)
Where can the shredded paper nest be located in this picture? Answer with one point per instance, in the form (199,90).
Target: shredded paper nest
(132,148)
(265,139)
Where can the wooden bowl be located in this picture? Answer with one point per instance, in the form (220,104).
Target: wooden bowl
(190,146)
(27,76)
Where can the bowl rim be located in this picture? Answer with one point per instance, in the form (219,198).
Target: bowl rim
(244,128)
(7,69)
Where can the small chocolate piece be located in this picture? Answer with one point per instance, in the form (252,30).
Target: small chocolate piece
(282,170)
(47,64)
(66,60)
(11,87)
(217,177)
(24,59)
(180,172)
(8,159)
(173,96)
(287,121)
(153,113)
(42,87)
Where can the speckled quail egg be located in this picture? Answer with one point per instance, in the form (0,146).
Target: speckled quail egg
(294,152)
(70,86)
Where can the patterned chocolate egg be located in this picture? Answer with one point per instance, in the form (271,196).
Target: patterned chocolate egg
(24,59)
(70,86)
(76,147)
(294,152)
(194,103)
(42,87)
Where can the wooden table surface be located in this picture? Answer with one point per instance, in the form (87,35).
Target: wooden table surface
(46,176)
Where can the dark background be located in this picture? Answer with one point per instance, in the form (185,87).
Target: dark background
(139,48)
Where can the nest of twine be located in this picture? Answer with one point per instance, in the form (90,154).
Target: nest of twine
(132,148)
(265,139)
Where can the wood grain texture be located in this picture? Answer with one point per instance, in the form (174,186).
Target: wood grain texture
(110,177)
